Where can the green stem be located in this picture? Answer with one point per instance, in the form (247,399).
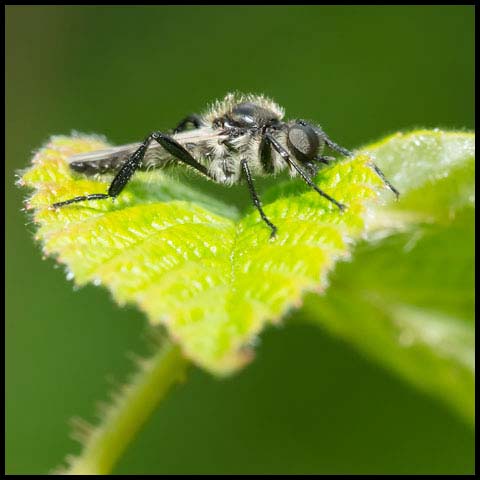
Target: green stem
(105,444)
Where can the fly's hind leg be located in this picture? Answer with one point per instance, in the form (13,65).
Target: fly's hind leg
(93,196)
(132,164)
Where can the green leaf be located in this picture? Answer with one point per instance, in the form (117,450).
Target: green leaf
(214,281)
(407,298)
(214,278)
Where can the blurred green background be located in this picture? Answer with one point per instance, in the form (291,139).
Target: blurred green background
(308,403)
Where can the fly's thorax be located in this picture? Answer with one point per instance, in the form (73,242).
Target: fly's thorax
(226,106)
(203,144)
(225,169)
(225,155)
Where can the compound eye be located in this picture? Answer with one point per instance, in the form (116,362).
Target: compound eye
(303,139)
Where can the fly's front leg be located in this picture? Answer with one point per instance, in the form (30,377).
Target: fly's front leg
(347,153)
(384,179)
(337,148)
(306,177)
(324,159)
(313,166)
(255,199)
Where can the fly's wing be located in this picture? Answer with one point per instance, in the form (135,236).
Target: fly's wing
(112,159)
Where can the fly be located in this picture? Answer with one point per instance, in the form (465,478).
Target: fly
(237,138)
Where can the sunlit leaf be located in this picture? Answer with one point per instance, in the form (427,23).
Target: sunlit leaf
(213,278)
(403,292)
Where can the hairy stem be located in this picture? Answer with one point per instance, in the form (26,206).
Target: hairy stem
(105,444)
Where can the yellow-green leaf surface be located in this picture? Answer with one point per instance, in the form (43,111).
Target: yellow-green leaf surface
(211,276)
(214,281)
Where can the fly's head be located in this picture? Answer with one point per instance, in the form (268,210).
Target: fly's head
(306,142)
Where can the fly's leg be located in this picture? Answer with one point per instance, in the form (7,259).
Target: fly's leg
(306,177)
(265,154)
(120,180)
(384,179)
(337,148)
(312,167)
(93,196)
(347,153)
(324,159)
(131,165)
(194,119)
(255,199)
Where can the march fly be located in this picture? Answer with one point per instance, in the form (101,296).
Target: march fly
(237,138)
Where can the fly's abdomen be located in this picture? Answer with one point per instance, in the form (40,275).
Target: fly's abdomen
(112,159)
(104,165)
